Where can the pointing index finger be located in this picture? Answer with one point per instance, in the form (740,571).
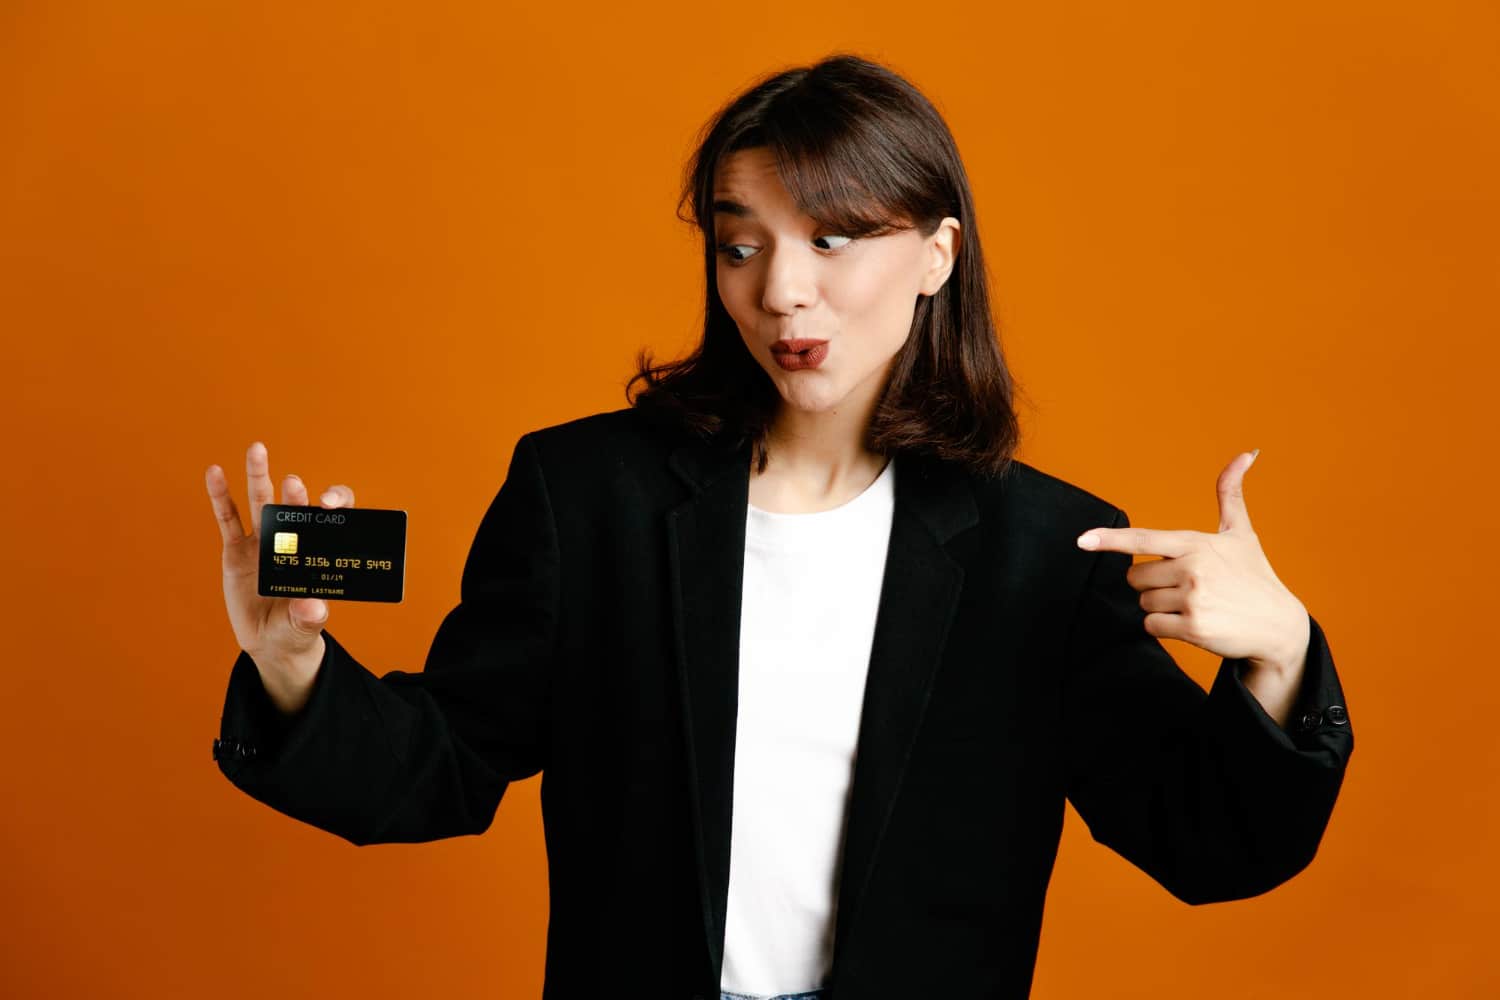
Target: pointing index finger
(1141,541)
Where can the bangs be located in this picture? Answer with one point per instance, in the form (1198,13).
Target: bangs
(835,175)
(830,188)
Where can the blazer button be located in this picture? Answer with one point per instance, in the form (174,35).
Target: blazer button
(232,749)
(1310,720)
(1337,715)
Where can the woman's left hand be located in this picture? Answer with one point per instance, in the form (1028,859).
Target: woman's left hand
(1216,591)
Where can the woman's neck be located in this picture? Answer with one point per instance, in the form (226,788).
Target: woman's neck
(816,461)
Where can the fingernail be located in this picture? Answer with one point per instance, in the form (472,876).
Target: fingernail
(1088,540)
(1253,454)
(330,497)
(293,475)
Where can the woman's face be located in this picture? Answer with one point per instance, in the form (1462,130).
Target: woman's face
(782,278)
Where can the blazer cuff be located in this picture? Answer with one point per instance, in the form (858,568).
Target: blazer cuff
(1319,719)
(252,730)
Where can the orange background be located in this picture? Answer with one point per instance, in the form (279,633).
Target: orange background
(388,240)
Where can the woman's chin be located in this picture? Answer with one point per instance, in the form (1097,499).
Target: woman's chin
(808,400)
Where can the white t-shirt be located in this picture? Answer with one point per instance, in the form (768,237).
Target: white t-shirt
(811,590)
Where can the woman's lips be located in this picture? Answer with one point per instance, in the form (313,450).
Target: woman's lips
(792,355)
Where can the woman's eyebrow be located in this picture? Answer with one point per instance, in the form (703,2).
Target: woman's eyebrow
(731,207)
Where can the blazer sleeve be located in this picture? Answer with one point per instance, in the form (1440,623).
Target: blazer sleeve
(1202,791)
(411,757)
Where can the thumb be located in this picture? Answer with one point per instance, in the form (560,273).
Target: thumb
(1233,514)
(306,616)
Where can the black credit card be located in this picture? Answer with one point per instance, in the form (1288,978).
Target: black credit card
(335,553)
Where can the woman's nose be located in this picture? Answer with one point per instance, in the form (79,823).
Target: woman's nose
(791,281)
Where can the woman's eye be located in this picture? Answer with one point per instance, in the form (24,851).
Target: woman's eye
(727,249)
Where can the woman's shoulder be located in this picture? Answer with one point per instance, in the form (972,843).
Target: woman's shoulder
(582,449)
(1026,488)
(625,429)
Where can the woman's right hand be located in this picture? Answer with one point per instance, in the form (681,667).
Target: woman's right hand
(284,636)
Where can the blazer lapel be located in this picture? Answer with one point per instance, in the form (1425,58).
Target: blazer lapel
(706,557)
(919,594)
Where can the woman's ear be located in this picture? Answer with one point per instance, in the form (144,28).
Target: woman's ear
(943,249)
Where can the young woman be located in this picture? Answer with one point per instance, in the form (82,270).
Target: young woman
(808,661)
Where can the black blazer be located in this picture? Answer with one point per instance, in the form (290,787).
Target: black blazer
(596,642)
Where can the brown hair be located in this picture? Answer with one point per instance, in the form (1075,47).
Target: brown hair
(863,152)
